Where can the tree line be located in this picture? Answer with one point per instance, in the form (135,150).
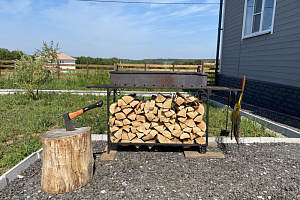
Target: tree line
(5,54)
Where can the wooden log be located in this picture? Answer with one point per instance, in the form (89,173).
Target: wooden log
(121,103)
(200,109)
(188,129)
(126,128)
(148,137)
(192,114)
(182,119)
(202,126)
(167,134)
(131,136)
(162,139)
(200,133)
(160,128)
(113,107)
(114,128)
(184,136)
(171,127)
(146,125)
(150,116)
(141,128)
(141,118)
(112,120)
(151,105)
(118,123)
(167,104)
(131,116)
(190,123)
(160,98)
(139,135)
(153,133)
(127,99)
(182,113)
(154,111)
(67,160)
(126,111)
(126,122)
(120,115)
(177,133)
(134,103)
(176,141)
(124,136)
(118,134)
(179,101)
(198,118)
(200,140)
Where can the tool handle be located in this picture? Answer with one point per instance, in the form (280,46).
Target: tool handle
(244,81)
(95,105)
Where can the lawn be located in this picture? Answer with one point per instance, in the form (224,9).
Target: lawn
(24,120)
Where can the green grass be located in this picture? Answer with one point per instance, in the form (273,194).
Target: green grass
(248,127)
(24,120)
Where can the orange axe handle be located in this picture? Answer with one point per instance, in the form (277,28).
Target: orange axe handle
(79,112)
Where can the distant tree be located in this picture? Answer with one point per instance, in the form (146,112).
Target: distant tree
(30,70)
(4,54)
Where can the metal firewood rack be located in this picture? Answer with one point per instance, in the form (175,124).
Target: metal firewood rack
(153,82)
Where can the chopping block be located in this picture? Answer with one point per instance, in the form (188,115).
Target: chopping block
(67,160)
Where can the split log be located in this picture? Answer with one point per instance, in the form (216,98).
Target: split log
(120,115)
(127,99)
(69,165)
(184,136)
(121,103)
(198,118)
(202,126)
(162,139)
(200,140)
(160,98)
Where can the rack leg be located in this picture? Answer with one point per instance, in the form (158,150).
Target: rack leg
(203,149)
(108,134)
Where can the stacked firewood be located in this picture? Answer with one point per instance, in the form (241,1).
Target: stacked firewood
(162,119)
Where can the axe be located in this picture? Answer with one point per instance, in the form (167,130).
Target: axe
(68,116)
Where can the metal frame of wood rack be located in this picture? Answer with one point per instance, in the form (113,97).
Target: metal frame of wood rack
(206,90)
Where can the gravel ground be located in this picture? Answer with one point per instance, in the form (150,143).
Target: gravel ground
(279,118)
(256,171)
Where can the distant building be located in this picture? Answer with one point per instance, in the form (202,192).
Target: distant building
(65,59)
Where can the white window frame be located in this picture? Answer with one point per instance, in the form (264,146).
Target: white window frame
(260,32)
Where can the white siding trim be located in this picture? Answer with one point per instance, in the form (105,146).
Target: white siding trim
(273,19)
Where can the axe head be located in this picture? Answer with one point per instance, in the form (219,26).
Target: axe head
(69,125)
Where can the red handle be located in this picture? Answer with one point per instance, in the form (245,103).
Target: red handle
(244,81)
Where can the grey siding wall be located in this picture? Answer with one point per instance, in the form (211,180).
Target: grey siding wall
(273,58)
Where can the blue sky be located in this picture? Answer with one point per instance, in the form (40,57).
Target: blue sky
(134,31)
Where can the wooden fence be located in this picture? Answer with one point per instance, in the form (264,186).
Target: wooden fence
(7,67)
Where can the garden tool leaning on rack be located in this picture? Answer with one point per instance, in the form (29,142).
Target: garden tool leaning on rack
(235,116)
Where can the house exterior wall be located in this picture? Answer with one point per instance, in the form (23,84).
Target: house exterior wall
(271,57)
(273,60)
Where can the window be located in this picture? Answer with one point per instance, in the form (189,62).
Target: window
(258,17)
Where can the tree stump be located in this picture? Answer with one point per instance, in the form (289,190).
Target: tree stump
(67,160)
